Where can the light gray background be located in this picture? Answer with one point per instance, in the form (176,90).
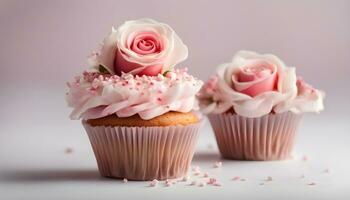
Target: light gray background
(43,44)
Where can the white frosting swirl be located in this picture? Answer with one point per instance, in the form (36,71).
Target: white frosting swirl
(94,95)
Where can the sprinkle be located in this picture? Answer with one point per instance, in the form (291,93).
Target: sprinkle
(327,171)
(243,179)
(217,184)
(302,176)
(68,150)
(206,175)
(212,181)
(217,164)
(196,173)
(236,178)
(261,183)
(153,183)
(312,184)
(196,168)
(168,184)
(305,158)
(269,178)
(193,183)
(201,184)
(185,178)
(125,180)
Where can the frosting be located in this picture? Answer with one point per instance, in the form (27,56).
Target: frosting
(142,47)
(254,85)
(94,95)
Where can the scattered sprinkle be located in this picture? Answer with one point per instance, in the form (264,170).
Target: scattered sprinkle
(196,168)
(193,183)
(236,178)
(305,158)
(185,178)
(68,150)
(269,178)
(302,176)
(168,184)
(212,180)
(327,171)
(202,184)
(312,184)
(217,164)
(197,173)
(125,180)
(243,179)
(206,175)
(217,184)
(153,183)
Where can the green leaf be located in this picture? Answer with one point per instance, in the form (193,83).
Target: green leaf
(102,69)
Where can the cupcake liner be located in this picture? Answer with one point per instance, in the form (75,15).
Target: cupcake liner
(269,137)
(143,153)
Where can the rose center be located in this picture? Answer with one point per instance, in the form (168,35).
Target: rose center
(146,43)
(255,72)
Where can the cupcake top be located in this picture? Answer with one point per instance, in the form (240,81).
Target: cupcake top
(133,73)
(253,85)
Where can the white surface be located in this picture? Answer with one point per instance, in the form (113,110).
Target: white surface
(33,164)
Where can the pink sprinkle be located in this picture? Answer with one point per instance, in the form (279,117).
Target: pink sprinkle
(236,178)
(125,180)
(217,184)
(185,178)
(217,164)
(68,150)
(196,168)
(201,184)
(212,181)
(168,184)
(193,183)
(153,183)
(206,175)
(197,173)
(312,183)
(305,158)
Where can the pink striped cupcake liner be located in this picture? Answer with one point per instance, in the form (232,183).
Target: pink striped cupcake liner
(143,153)
(269,137)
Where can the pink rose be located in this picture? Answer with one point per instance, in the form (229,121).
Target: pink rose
(255,77)
(142,47)
(252,85)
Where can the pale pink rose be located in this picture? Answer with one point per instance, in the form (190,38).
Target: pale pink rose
(252,85)
(255,78)
(142,47)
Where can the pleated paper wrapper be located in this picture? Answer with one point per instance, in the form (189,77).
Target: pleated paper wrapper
(143,153)
(270,137)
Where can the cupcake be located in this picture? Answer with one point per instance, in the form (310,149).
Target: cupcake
(255,104)
(138,111)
